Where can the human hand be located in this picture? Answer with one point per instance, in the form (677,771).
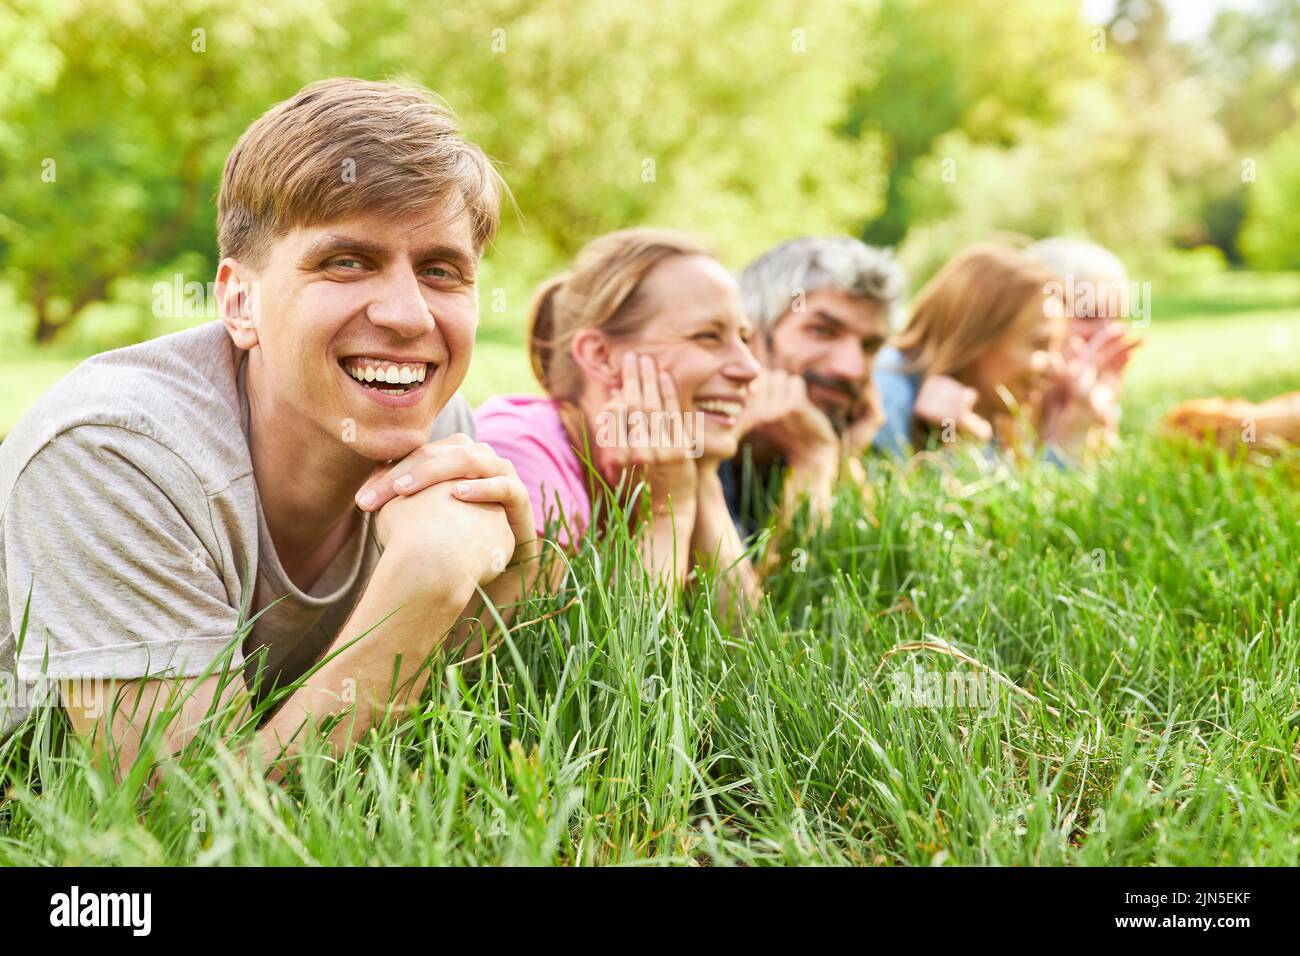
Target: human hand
(446,541)
(780,411)
(651,443)
(943,402)
(472,470)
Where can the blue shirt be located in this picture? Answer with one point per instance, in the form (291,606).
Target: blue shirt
(898,389)
(749,489)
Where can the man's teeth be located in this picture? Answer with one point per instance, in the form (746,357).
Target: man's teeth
(374,370)
(720,407)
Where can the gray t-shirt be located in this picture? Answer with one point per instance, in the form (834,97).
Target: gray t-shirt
(130,516)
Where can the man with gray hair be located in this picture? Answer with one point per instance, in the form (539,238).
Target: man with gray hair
(822,308)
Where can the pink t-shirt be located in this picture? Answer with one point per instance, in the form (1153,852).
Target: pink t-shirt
(526,431)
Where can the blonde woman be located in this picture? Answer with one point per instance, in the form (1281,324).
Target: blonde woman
(643,352)
(983,345)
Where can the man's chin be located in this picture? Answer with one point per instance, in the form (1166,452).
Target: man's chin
(838,415)
(391,445)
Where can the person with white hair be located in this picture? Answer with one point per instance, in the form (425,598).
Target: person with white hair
(1076,407)
(822,307)
(1098,346)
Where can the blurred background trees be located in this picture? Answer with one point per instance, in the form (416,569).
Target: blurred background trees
(924,124)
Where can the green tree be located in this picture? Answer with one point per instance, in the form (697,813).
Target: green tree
(1123,162)
(719,118)
(716,117)
(985,68)
(112,149)
(1270,234)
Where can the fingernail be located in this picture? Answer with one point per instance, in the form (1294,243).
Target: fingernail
(462,488)
(404,481)
(366,500)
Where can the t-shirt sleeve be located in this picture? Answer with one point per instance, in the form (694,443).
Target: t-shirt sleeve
(110,535)
(456,418)
(897,400)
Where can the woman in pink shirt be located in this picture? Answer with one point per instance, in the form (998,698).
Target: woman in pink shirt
(643,352)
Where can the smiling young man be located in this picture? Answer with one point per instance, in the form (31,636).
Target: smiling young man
(252,468)
(822,308)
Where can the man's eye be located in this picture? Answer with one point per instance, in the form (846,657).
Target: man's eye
(707,336)
(439,272)
(345,262)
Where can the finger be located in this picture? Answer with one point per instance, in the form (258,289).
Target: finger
(380,477)
(499,489)
(760,397)
(1115,348)
(975,426)
(673,407)
(471,464)
(474,461)
(651,399)
(508,492)
(796,396)
(631,384)
(379,488)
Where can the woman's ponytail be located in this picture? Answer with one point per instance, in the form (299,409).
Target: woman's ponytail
(541,329)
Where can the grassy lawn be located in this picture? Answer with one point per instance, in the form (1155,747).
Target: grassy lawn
(973,667)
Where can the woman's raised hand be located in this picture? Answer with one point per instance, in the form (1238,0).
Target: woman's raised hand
(642,433)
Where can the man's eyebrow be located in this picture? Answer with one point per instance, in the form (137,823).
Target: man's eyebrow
(457,255)
(825,316)
(335,243)
(327,245)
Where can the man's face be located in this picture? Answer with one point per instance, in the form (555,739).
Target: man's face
(832,342)
(364,328)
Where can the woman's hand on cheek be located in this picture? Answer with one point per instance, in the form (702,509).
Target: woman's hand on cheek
(648,433)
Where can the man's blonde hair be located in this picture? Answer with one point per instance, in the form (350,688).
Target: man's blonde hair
(342,147)
(971,304)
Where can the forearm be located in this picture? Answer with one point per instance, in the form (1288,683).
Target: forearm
(811,476)
(376,664)
(666,540)
(716,543)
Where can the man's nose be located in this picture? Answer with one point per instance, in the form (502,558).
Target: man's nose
(849,362)
(399,305)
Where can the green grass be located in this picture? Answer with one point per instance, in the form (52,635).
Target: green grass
(1158,617)
(1149,611)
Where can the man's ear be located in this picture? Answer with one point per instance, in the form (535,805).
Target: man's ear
(590,348)
(236,288)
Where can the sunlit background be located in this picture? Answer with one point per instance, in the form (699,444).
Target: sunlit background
(1164,130)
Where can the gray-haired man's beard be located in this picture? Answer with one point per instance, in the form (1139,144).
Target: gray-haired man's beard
(839,420)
